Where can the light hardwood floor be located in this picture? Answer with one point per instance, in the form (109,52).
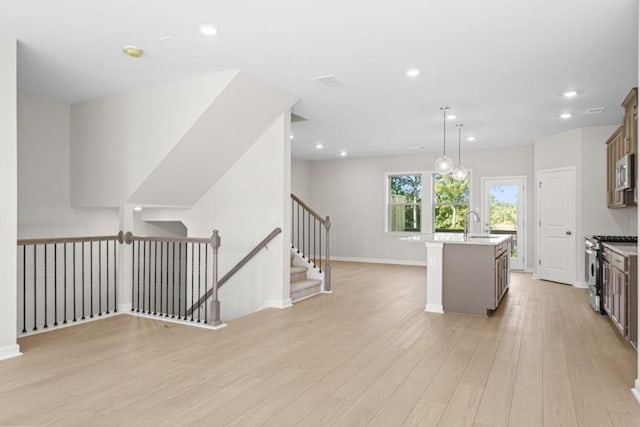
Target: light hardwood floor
(366,354)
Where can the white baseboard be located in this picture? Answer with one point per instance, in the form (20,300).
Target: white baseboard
(580,285)
(124,308)
(636,390)
(528,270)
(10,351)
(434,308)
(273,303)
(69,324)
(380,261)
(176,321)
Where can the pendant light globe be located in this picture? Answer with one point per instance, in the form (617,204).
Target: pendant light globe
(444,164)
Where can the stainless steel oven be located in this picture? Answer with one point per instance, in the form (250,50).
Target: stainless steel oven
(592,271)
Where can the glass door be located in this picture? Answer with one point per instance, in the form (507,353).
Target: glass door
(503,213)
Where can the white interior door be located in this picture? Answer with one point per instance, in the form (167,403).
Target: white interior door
(556,225)
(503,212)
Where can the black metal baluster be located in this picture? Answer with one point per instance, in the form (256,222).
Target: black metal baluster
(186,277)
(133,273)
(206,264)
(149,281)
(193,254)
(115,278)
(315,241)
(24,289)
(107,275)
(35,292)
(91,278)
(55,284)
(75,302)
(199,277)
(179,279)
(309,235)
(65,284)
(99,278)
(144,271)
(45,287)
(292,222)
(298,221)
(320,246)
(139,290)
(155,277)
(82,270)
(173,280)
(166,272)
(303,235)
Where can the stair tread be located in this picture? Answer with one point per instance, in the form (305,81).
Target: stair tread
(304,284)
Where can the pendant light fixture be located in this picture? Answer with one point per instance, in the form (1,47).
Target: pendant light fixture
(459,172)
(444,164)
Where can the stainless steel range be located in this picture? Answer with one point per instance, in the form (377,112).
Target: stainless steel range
(593,266)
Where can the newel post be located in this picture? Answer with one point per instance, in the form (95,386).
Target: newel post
(327,266)
(215,303)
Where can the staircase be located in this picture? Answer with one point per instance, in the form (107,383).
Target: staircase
(301,286)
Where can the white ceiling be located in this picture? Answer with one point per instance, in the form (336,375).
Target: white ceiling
(501,65)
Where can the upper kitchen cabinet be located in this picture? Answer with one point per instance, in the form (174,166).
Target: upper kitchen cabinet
(622,167)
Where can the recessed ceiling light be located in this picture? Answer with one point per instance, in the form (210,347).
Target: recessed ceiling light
(570,94)
(319,146)
(290,136)
(137,208)
(132,51)
(343,153)
(471,138)
(413,72)
(451,117)
(208,30)
(565,116)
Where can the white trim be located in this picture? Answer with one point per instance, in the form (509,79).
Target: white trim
(636,390)
(580,285)
(379,261)
(272,303)
(9,351)
(434,308)
(69,323)
(177,321)
(308,296)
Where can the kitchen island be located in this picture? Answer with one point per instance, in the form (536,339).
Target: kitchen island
(465,275)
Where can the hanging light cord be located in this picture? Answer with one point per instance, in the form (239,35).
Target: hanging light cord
(444,128)
(459,144)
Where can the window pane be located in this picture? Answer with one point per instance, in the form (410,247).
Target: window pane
(405,197)
(503,201)
(450,218)
(451,203)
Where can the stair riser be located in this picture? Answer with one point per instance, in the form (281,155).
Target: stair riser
(297,277)
(305,293)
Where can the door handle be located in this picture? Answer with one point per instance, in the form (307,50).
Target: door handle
(568,233)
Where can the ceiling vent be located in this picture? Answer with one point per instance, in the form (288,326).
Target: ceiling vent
(594,110)
(328,81)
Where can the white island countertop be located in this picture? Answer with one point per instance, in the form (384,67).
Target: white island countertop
(458,238)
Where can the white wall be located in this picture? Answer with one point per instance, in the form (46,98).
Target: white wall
(301,178)
(585,150)
(116,142)
(44,179)
(352,193)
(8,196)
(246,204)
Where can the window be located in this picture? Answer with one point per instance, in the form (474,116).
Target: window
(404,202)
(450,203)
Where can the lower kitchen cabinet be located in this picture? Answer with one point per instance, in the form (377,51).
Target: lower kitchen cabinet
(619,291)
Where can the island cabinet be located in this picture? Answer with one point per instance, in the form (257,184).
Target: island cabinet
(475,277)
(619,288)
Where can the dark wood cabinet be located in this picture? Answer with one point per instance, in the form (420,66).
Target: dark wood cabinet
(623,141)
(619,292)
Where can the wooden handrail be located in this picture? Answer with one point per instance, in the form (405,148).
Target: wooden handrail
(311,211)
(50,241)
(236,268)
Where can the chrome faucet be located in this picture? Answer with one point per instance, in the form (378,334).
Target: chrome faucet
(466,222)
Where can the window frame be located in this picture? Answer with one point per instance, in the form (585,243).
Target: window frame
(387,217)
